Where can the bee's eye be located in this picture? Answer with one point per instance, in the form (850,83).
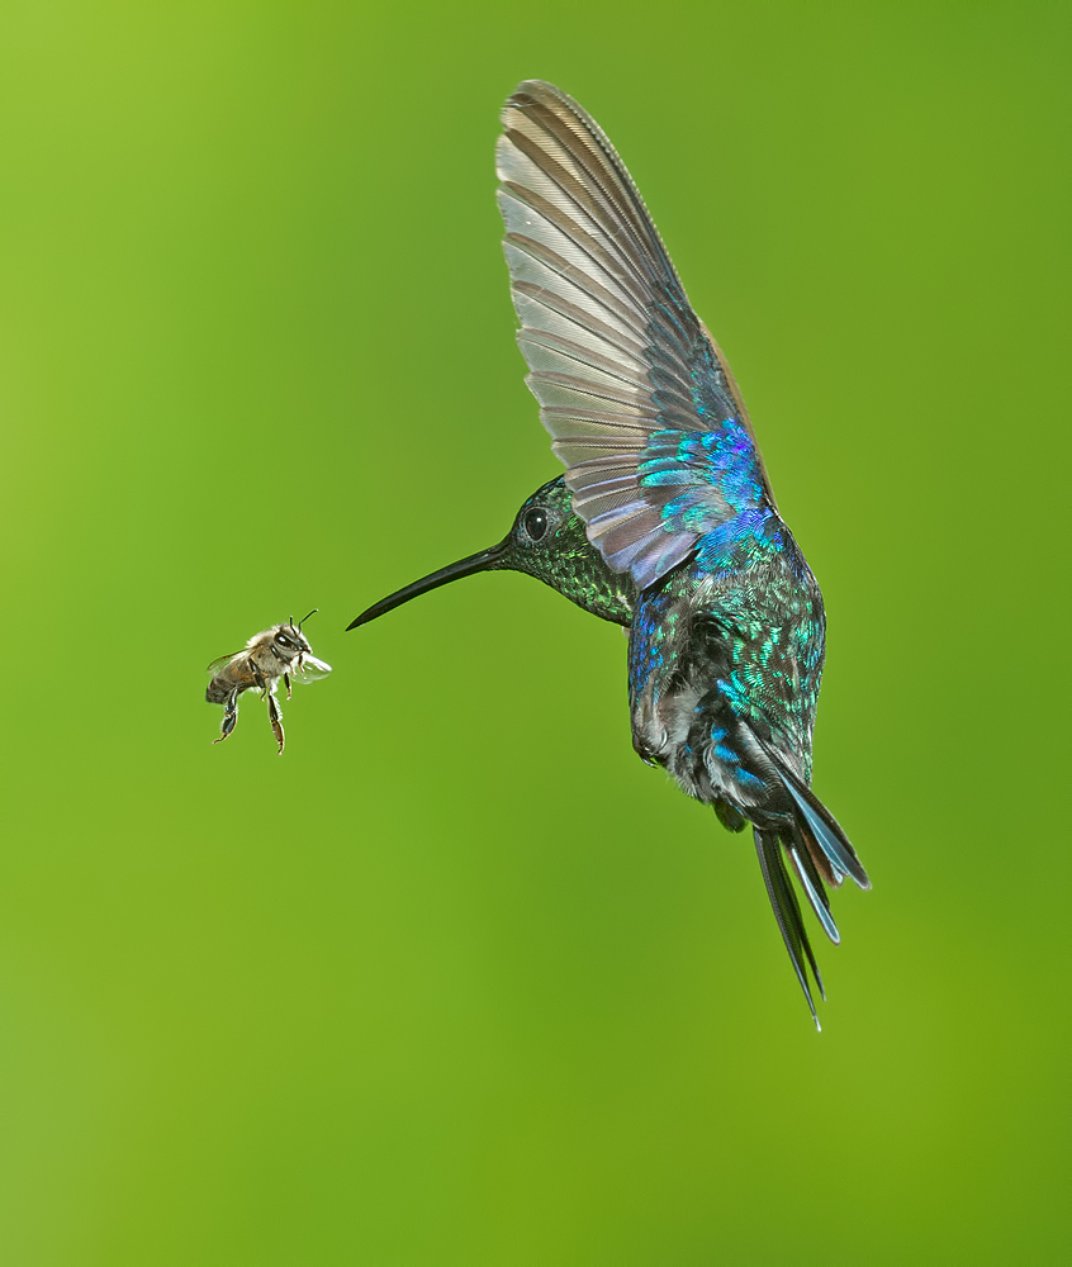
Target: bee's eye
(535,522)
(283,640)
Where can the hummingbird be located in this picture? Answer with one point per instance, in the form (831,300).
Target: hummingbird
(664,521)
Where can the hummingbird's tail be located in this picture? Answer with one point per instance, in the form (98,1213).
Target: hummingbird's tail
(825,841)
(819,851)
(816,830)
(787,912)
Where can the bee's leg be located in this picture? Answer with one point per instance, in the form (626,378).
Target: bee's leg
(230,716)
(286,681)
(258,677)
(276,719)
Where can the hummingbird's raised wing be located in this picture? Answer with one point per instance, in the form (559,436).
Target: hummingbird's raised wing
(640,402)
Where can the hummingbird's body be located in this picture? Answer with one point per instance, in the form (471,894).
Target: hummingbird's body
(665,521)
(721,659)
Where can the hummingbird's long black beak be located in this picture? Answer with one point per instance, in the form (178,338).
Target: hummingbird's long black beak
(479,562)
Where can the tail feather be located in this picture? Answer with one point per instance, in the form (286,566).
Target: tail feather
(819,850)
(810,878)
(826,842)
(787,913)
(827,834)
(832,874)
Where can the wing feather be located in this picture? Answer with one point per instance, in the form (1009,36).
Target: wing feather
(622,367)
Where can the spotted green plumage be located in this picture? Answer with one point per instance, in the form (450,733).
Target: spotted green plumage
(564,558)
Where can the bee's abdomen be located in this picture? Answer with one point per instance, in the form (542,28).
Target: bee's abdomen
(217,691)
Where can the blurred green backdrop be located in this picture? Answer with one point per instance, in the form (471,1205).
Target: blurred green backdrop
(458,980)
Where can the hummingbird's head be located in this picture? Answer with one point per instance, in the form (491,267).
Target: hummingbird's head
(548,541)
(543,528)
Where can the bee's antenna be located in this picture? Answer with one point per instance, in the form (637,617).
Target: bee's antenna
(305,617)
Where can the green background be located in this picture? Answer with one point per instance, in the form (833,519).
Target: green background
(458,980)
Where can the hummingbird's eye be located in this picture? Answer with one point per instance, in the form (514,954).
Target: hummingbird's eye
(536,522)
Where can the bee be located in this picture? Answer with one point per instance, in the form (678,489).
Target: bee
(280,652)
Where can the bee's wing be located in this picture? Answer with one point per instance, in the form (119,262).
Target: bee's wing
(218,664)
(312,669)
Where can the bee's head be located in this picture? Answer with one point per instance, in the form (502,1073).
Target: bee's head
(289,640)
